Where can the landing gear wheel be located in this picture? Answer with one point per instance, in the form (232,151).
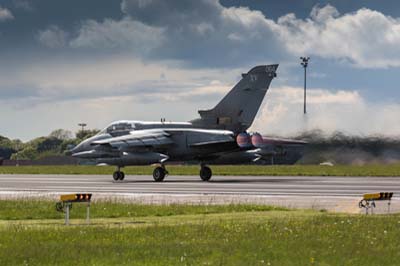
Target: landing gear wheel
(205,173)
(121,176)
(159,174)
(118,175)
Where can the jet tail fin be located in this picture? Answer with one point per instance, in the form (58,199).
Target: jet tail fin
(237,110)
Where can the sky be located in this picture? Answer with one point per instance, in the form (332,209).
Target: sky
(96,61)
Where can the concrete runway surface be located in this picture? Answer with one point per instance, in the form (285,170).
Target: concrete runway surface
(340,194)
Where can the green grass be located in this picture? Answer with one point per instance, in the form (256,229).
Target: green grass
(302,170)
(198,235)
(44,209)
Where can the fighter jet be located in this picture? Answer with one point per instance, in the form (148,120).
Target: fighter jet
(218,136)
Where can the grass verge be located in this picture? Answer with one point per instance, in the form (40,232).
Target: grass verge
(34,209)
(192,235)
(291,170)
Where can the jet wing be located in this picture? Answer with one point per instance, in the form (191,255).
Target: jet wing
(138,139)
(209,143)
(201,138)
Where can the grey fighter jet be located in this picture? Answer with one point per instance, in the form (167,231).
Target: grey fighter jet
(218,136)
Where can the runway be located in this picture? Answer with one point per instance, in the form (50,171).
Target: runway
(298,191)
(251,185)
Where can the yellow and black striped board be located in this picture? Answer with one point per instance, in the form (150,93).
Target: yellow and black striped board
(378,196)
(84,197)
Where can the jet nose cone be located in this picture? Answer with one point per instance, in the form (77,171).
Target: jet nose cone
(74,149)
(70,149)
(84,146)
(78,148)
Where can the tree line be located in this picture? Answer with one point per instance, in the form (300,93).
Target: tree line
(58,142)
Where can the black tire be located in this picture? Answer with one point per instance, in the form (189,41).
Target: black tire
(205,173)
(116,175)
(121,176)
(159,174)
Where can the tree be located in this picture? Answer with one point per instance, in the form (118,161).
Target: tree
(8,147)
(84,134)
(57,143)
(61,134)
(29,153)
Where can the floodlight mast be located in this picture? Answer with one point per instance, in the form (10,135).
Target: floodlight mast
(83,125)
(304,63)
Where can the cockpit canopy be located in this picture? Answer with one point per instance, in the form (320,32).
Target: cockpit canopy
(118,128)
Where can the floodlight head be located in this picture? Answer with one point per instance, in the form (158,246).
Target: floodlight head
(304,62)
(305,59)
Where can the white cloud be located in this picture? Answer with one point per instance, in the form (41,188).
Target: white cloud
(323,14)
(366,38)
(117,34)
(210,33)
(53,37)
(347,111)
(5,14)
(203,32)
(212,89)
(295,95)
(70,79)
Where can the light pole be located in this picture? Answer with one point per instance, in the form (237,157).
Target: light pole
(83,125)
(304,63)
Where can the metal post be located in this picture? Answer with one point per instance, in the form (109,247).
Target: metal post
(67,213)
(372,207)
(88,213)
(305,88)
(389,206)
(304,63)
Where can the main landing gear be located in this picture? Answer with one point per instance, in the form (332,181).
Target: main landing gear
(205,172)
(159,173)
(118,175)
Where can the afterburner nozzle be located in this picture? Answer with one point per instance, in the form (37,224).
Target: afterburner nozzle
(243,140)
